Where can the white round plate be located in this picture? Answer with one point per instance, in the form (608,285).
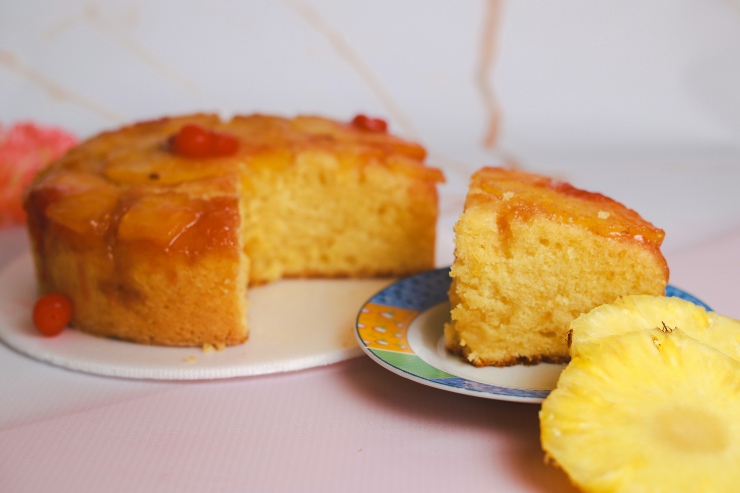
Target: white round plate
(402,329)
(295,324)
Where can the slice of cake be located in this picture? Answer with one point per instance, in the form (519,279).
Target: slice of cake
(155,230)
(531,255)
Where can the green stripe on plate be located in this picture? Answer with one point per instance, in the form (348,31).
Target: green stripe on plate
(410,363)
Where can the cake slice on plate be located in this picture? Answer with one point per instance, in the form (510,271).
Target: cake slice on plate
(531,255)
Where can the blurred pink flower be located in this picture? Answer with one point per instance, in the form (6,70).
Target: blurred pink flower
(25,148)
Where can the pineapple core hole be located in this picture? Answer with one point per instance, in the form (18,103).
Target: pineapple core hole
(692,430)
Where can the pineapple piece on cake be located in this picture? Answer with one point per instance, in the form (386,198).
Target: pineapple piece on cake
(531,255)
(650,400)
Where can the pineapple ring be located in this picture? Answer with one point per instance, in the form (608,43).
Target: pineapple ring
(641,312)
(650,409)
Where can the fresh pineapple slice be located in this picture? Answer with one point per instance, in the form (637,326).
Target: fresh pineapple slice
(647,411)
(642,312)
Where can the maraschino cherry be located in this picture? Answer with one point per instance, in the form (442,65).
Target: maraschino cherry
(195,141)
(364,122)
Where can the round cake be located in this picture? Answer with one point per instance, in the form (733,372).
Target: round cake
(155,230)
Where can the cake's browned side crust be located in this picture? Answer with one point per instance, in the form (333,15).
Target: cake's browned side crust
(157,248)
(531,255)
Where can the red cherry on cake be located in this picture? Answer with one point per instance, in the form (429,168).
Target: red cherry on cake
(364,122)
(52,313)
(195,141)
(224,145)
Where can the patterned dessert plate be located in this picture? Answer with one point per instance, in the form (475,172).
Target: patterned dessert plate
(401,328)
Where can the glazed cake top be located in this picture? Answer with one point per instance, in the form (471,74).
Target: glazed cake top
(523,196)
(134,184)
(141,154)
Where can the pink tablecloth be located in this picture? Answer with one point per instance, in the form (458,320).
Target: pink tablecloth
(351,426)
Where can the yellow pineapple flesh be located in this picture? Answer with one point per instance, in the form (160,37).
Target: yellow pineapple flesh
(650,401)
(641,312)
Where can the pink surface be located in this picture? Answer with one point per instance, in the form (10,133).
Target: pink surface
(351,426)
(711,272)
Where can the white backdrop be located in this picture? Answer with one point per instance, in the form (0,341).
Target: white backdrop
(638,100)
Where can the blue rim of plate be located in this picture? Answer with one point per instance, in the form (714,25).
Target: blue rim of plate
(383,321)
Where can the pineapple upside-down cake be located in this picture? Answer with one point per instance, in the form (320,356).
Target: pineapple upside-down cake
(155,231)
